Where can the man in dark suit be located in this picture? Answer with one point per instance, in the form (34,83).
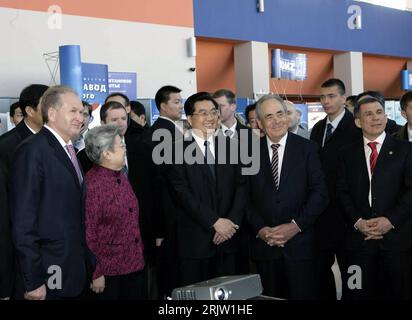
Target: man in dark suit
(32,123)
(161,136)
(47,204)
(405,133)
(242,135)
(375,190)
(332,133)
(209,196)
(286,197)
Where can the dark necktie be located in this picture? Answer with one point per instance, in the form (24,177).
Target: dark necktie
(374,155)
(74,161)
(209,159)
(275,164)
(328,135)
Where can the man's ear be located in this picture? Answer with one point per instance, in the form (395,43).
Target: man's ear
(357,123)
(403,113)
(189,119)
(51,114)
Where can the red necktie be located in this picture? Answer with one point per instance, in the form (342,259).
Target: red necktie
(374,155)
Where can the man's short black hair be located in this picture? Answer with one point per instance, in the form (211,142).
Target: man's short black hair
(335,82)
(30,97)
(137,108)
(405,99)
(163,95)
(88,106)
(248,109)
(374,94)
(13,108)
(111,105)
(200,96)
(118,94)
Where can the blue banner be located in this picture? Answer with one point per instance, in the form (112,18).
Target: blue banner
(95,82)
(123,82)
(287,65)
(406,80)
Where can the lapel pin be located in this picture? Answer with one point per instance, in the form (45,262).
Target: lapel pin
(391,152)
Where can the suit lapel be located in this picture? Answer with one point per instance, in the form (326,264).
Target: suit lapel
(360,162)
(385,155)
(289,157)
(341,128)
(266,170)
(61,154)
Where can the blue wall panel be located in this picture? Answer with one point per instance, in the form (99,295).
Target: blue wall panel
(320,24)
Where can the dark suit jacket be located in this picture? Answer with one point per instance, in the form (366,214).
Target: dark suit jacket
(47,212)
(330,228)
(200,199)
(402,133)
(391,192)
(8,144)
(302,196)
(164,213)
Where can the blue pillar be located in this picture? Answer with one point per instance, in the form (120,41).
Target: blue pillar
(71,68)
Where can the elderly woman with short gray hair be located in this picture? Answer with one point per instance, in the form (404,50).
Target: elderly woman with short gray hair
(112,219)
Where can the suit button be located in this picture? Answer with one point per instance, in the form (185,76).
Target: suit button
(130,209)
(136,240)
(118,181)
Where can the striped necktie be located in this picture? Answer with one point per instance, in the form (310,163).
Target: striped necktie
(275,163)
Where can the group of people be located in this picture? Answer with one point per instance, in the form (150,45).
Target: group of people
(128,211)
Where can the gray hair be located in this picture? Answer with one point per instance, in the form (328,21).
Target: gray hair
(52,99)
(100,139)
(267,97)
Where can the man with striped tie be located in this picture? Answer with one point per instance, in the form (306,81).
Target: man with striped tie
(286,197)
(375,189)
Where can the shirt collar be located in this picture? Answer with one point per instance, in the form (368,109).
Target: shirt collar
(335,122)
(379,139)
(232,128)
(200,141)
(282,141)
(34,132)
(409,133)
(60,139)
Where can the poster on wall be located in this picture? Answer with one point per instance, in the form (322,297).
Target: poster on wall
(123,82)
(95,88)
(95,82)
(315,113)
(287,65)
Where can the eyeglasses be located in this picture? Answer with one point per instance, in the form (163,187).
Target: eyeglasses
(204,113)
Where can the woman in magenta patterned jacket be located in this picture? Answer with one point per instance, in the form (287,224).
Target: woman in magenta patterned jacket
(112,219)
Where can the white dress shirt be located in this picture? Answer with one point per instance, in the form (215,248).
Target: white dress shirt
(281,152)
(368,152)
(201,143)
(409,134)
(334,124)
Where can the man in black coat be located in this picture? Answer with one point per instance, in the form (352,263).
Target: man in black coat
(286,197)
(32,123)
(332,133)
(375,190)
(47,201)
(209,196)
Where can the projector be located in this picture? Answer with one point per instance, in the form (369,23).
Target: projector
(222,288)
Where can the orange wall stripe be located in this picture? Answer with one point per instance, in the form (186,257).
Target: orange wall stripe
(165,12)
